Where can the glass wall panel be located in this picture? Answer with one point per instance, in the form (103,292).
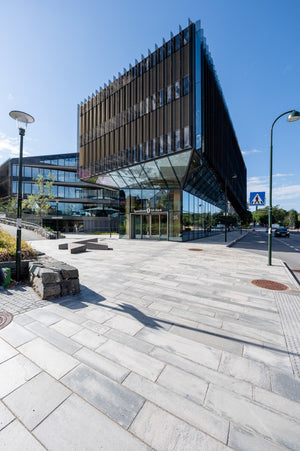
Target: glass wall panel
(180,164)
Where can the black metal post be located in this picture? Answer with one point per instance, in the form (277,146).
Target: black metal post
(19,211)
(57,232)
(225,210)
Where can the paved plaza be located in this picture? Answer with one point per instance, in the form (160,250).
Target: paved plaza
(164,348)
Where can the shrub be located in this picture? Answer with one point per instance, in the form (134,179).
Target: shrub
(8,248)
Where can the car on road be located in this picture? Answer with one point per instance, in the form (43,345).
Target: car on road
(282,231)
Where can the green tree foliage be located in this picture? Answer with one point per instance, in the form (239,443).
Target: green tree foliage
(40,202)
(292,218)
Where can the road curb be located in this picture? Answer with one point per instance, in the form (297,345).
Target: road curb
(291,273)
(237,239)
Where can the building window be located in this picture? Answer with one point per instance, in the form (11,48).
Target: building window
(147,105)
(161,145)
(169,142)
(177,140)
(141,108)
(177,42)
(61,191)
(154,147)
(154,102)
(161,97)
(14,187)
(147,150)
(177,89)
(186,85)
(186,137)
(140,152)
(15,170)
(153,59)
(169,94)
(169,48)
(161,54)
(186,36)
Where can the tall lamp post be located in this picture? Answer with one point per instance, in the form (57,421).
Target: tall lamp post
(293,116)
(233,176)
(22,120)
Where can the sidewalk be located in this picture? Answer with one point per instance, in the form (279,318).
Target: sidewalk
(165,348)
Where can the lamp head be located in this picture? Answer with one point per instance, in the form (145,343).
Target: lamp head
(293,116)
(22,119)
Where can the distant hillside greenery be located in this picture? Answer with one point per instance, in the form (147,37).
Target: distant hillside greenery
(280,216)
(8,248)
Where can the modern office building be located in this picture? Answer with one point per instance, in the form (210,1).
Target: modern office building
(76,203)
(161,133)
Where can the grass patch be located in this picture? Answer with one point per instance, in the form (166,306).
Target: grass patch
(8,248)
(101,233)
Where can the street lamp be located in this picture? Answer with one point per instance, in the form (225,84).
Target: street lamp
(293,116)
(22,120)
(233,176)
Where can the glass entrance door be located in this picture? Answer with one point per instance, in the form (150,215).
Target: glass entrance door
(150,226)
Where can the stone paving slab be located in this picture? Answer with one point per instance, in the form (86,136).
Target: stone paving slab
(163,348)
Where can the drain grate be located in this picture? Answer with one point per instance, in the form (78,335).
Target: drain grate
(270,285)
(198,250)
(5,319)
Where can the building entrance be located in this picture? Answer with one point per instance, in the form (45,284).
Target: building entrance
(152,226)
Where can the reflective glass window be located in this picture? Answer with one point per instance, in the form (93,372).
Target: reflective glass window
(167,172)
(177,140)
(27,171)
(186,36)
(141,108)
(169,94)
(177,89)
(153,59)
(154,175)
(61,176)
(14,187)
(186,137)
(34,173)
(71,193)
(169,48)
(61,191)
(177,42)
(161,97)
(27,188)
(161,145)
(54,190)
(154,102)
(161,54)
(15,170)
(61,162)
(147,105)
(169,142)
(186,85)
(180,163)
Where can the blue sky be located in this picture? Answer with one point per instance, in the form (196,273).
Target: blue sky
(54,54)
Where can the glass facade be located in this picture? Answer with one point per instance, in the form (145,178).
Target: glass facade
(162,135)
(75,198)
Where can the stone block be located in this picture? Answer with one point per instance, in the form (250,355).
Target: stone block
(76,248)
(63,246)
(88,240)
(70,286)
(49,291)
(49,276)
(97,246)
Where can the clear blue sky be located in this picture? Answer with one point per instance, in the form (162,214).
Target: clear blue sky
(56,53)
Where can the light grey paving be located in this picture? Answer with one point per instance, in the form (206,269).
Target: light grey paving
(29,402)
(186,348)
(102,364)
(183,383)
(243,440)
(128,340)
(289,308)
(277,428)
(132,359)
(76,425)
(54,337)
(6,416)
(192,413)
(277,402)
(51,359)
(124,324)
(270,357)
(15,334)
(66,327)
(113,399)
(6,351)
(17,438)
(16,372)
(285,384)
(165,432)
(44,317)
(96,327)
(89,338)
(245,369)
(211,376)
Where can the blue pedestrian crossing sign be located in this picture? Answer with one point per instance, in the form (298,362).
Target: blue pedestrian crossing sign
(257,198)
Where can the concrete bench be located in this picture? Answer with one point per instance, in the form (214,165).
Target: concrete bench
(63,246)
(97,246)
(75,248)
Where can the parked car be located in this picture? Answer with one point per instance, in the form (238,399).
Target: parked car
(282,231)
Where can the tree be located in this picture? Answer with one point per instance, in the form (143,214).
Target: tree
(292,218)
(40,202)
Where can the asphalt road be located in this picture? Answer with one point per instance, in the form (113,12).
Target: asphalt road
(287,249)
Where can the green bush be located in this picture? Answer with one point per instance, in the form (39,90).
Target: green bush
(8,248)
